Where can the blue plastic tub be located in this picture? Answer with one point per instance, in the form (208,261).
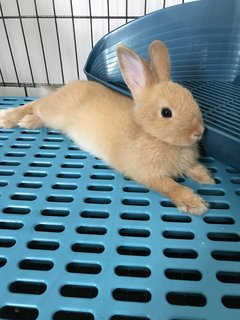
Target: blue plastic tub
(203,40)
(78,241)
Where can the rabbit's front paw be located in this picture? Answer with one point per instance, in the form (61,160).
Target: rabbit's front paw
(30,121)
(200,174)
(189,202)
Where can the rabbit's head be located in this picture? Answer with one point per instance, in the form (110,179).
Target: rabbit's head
(162,108)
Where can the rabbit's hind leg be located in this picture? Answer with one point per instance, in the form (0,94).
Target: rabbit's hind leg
(21,116)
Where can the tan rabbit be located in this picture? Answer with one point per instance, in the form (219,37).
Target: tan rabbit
(151,139)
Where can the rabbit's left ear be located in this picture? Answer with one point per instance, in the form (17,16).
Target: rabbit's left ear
(135,70)
(159,61)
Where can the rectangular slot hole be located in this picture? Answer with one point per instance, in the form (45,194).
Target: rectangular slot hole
(167,204)
(97,200)
(72,165)
(30,185)
(86,268)
(136,189)
(176,218)
(231,302)
(186,299)
(228,277)
(94,214)
(100,188)
(226,255)
(135,216)
(6,131)
(91,230)
(33,264)
(88,248)
(102,177)
(133,251)
(101,167)
(26,139)
(55,213)
(21,146)
(211,192)
(53,140)
(219,205)
(132,295)
(223,236)
(3,261)
(180,253)
(16,210)
(49,228)
(8,225)
(182,235)
(64,186)
(9,163)
(218,220)
(38,164)
(49,147)
(183,274)
(142,233)
(135,202)
(70,175)
(56,198)
(15,154)
(35,174)
(26,287)
(76,156)
(18,313)
(6,173)
(235,180)
(3,184)
(54,132)
(23,197)
(30,131)
(72,315)
(45,155)
(76,291)
(73,148)
(125,317)
(7,243)
(131,271)
(43,245)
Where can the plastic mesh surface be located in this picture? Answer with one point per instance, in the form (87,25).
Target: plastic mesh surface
(80,241)
(219,102)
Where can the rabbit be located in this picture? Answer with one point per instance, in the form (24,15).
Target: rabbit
(152,137)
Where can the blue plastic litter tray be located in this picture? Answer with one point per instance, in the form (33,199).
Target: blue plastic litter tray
(203,40)
(80,241)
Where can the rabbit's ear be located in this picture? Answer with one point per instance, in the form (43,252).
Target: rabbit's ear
(135,70)
(159,61)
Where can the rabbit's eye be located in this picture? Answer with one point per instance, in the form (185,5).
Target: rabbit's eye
(166,113)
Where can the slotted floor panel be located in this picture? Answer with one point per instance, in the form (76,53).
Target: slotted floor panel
(80,241)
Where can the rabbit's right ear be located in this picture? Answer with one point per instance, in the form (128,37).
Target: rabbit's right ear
(135,70)
(159,61)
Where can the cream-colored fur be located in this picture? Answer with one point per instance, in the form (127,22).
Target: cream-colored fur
(131,135)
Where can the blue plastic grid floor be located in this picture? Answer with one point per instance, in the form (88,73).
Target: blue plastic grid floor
(80,241)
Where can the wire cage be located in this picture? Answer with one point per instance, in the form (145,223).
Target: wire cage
(77,239)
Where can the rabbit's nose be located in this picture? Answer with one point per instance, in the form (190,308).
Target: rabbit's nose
(197,130)
(196,136)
